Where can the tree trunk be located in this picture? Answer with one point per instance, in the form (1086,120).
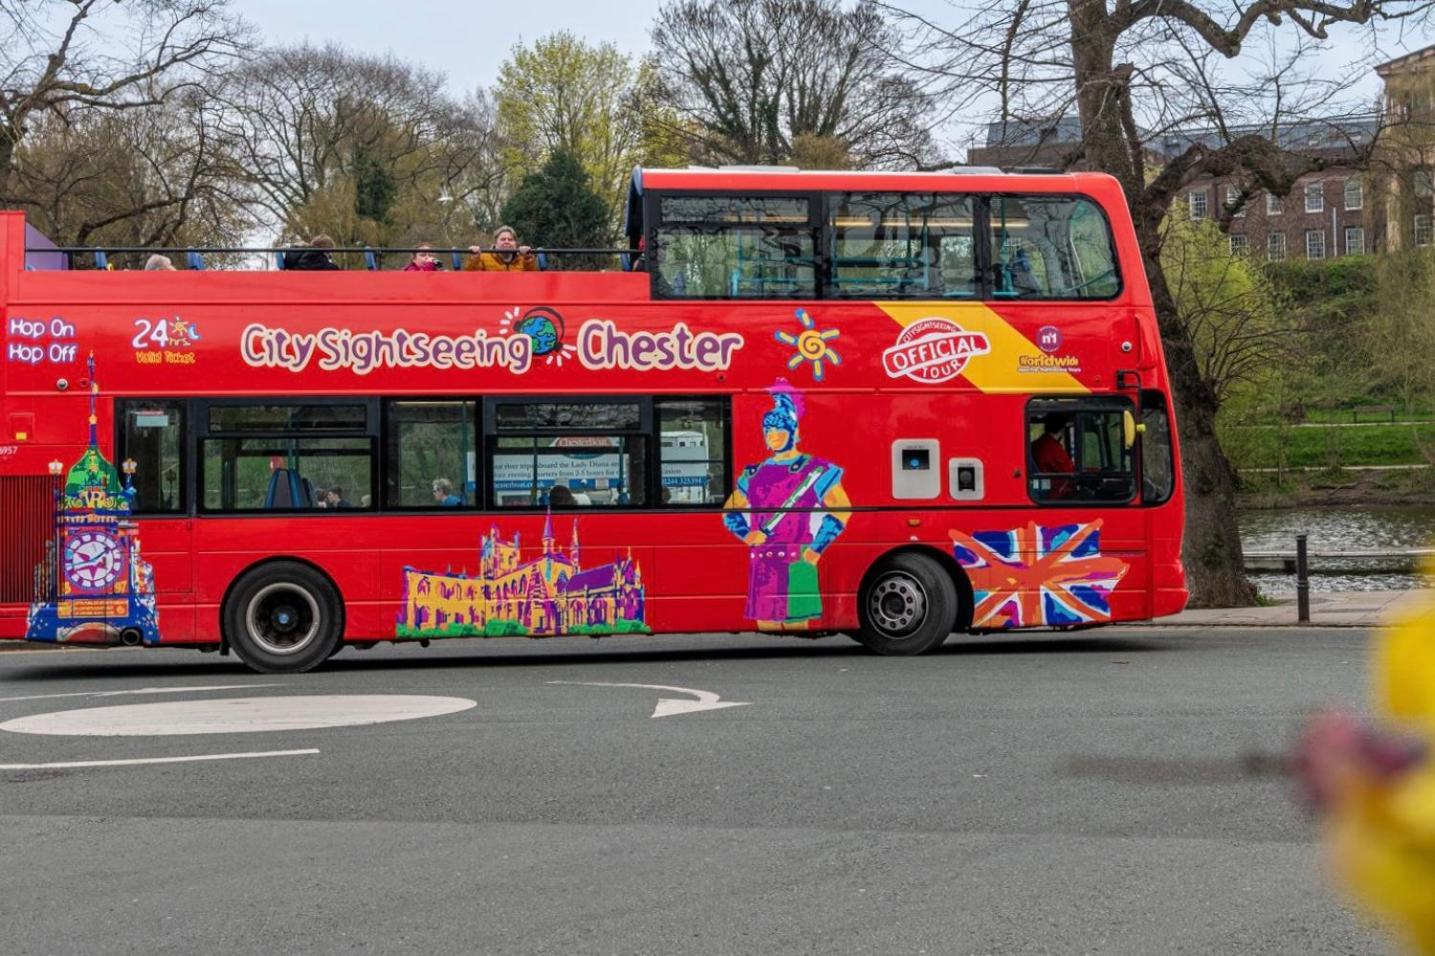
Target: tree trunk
(1211,549)
(1211,552)
(7,157)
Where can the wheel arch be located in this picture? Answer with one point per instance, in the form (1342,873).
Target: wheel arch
(282,559)
(965,601)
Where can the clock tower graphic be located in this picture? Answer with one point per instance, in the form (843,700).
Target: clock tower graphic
(93,587)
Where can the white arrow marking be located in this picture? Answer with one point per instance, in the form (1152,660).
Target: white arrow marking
(667,707)
(142,690)
(147,760)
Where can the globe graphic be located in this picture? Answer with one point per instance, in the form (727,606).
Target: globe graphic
(544,328)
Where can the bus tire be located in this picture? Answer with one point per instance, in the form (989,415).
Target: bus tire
(908,605)
(283,617)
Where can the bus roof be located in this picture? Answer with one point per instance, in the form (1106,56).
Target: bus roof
(958,179)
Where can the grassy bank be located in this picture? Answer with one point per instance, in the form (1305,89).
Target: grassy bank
(1337,488)
(1329,446)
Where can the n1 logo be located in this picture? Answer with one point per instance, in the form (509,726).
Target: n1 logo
(1048,338)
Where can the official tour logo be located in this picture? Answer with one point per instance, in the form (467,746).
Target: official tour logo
(933,350)
(1048,339)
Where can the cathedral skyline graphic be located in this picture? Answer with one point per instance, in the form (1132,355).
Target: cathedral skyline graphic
(93,586)
(549,595)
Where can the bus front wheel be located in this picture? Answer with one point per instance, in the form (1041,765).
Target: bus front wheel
(283,617)
(908,606)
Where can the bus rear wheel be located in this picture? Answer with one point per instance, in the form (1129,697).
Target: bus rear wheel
(283,617)
(908,606)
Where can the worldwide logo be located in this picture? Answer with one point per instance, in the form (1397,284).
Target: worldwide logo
(933,350)
(1048,338)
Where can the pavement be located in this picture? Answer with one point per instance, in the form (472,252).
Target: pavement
(1009,794)
(1327,609)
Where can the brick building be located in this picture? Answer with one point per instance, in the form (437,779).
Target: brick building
(1403,182)
(1328,213)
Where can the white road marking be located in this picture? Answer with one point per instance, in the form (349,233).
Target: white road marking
(667,707)
(141,690)
(237,715)
(150,760)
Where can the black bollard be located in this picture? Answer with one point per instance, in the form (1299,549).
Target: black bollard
(1302,582)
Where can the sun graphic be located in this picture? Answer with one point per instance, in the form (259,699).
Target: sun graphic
(811,345)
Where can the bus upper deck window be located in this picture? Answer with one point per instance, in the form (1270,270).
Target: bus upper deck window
(901,245)
(735,247)
(1051,247)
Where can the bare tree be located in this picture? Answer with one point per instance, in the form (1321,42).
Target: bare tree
(1142,75)
(150,176)
(758,76)
(53,62)
(307,125)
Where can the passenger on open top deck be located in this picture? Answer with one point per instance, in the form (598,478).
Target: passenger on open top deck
(314,258)
(423,260)
(510,257)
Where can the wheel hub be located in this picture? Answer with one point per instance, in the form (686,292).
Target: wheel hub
(282,618)
(898,604)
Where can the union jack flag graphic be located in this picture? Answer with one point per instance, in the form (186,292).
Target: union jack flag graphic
(1035,576)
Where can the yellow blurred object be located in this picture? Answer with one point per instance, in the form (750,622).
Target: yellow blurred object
(1381,814)
(1405,666)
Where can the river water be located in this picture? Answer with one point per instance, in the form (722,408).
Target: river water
(1340,529)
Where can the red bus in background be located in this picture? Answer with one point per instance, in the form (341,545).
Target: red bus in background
(889,405)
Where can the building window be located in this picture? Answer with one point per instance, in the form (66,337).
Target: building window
(1276,246)
(1354,194)
(1422,230)
(1238,244)
(1315,243)
(1233,196)
(1354,241)
(1423,185)
(1197,200)
(1315,197)
(1274,204)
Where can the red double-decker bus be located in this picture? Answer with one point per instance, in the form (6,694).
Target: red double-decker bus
(889,405)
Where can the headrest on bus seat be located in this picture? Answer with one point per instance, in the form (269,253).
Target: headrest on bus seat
(195,260)
(279,261)
(370,260)
(102,259)
(542,261)
(288,490)
(457,260)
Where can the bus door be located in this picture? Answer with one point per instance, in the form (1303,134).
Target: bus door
(151,435)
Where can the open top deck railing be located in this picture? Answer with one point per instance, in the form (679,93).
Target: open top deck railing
(374,258)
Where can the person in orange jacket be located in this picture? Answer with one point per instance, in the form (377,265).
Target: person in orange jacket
(510,257)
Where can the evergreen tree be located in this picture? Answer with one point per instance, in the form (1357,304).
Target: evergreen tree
(557,207)
(374,187)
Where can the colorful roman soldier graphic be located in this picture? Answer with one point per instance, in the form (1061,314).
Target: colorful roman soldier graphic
(551,594)
(787,510)
(93,587)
